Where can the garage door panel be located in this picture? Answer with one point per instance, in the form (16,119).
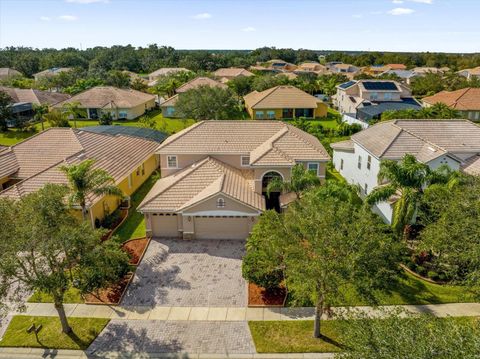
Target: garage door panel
(221,227)
(164,226)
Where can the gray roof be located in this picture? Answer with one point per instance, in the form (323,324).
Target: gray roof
(146,133)
(369,112)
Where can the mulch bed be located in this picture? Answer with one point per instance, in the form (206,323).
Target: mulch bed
(135,248)
(259,296)
(111,295)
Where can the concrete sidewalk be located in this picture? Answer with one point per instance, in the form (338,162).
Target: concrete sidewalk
(234,313)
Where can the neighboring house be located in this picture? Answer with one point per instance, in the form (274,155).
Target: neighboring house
(466,101)
(50,72)
(280,65)
(155,75)
(396,66)
(422,71)
(455,143)
(168,106)
(227,74)
(366,100)
(470,74)
(7,73)
(120,103)
(311,67)
(24,100)
(29,165)
(215,173)
(283,102)
(404,75)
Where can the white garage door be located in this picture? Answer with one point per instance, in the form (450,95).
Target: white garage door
(221,227)
(164,226)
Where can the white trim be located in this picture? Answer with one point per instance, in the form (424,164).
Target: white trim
(222,213)
(216,194)
(314,163)
(264,173)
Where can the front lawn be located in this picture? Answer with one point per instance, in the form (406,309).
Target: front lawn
(168,125)
(296,336)
(134,225)
(85,330)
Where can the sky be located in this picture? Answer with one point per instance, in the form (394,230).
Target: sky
(356,25)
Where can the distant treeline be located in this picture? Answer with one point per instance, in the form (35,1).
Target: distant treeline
(147,59)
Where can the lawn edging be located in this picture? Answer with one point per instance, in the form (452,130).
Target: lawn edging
(144,249)
(130,275)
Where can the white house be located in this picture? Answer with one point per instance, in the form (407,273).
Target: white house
(434,142)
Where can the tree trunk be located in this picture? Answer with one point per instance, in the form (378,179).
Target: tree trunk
(318,315)
(41,121)
(63,318)
(84,211)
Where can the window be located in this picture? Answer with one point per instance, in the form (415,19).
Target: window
(359,165)
(138,171)
(313,167)
(369,162)
(130,180)
(172,161)
(365,188)
(387,96)
(341,164)
(143,169)
(259,115)
(220,203)
(270,114)
(122,114)
(245,161)
(374,96)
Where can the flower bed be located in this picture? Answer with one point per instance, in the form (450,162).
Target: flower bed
(136,249)
(260,297)
(111,295)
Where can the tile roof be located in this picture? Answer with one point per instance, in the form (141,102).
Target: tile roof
(232,72)
(396,66)
(6,72)
(472,165)
(280,97)
(39,157)
(426,139)
(380,107)
(109,97)
(171,101)
(256,138)
(466,99)
(167,71)
(53,71)
(343,145)
(200,181)
(199,81)
(36,97)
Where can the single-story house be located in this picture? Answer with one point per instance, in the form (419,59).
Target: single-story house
(229,73)
(50,72)
(466,101)
(8,73)
(120,103)
(215,174)
(29,165)
(284,102)
(165,71)
(168,106)
(470,74)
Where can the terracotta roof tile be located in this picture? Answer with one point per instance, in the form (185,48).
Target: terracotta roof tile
(467,99)
(199,81)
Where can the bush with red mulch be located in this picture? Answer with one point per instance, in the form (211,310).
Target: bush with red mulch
(110,295)
(259,296)
(135,248)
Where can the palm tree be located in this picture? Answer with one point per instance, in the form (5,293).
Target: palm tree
(83,180)
(301,180)
(40,112)
(73,110)
(406,179)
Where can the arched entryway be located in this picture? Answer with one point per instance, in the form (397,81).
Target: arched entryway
(272,201)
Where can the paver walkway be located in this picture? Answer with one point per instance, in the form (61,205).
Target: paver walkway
(188,274)
(233,313)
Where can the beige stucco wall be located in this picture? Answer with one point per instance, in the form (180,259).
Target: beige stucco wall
(211,205)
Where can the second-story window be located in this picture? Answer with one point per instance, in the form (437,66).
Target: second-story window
(359,165)
(365,188)
(245,161)
(341,164)
(172,161)
(374,96)
(369,162)
(220,203)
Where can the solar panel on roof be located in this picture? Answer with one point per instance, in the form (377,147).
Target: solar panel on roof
(146,133)
(380,86)
(347,84)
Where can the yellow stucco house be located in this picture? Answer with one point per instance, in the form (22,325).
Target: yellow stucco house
(283,102)
(34,162)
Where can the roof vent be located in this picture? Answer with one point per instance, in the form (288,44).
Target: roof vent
(82,156)
(432,149)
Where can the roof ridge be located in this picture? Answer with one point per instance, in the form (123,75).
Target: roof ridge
(180,134)
(465,90)
(272,90)
(417,136)
(303,139)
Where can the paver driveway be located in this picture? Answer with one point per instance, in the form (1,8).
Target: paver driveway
(171,337)
(198,273)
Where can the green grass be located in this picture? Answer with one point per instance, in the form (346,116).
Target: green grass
(72,295)
(134,225)
(296,336)
(333,174)
(167,125)
(408,290)
(85,330)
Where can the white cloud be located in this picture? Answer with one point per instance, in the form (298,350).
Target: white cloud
(429,2)
(401,11)
(67,17)
(88,1)
(45,18)
(202,16)
(249,29)
(397,1)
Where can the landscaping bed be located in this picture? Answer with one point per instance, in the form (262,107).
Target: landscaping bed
(136,249)
(85,330)
(113,221)
(259,296)
(111,295)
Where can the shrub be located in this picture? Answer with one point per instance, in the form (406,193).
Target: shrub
(110,220)
(432,275)
(105,119)
(421,270)
(411,265)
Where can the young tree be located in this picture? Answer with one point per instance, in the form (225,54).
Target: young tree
(324,244)
(41,241)
(84,180)
(301,180)
(148,122)
(139,84)
(208,103)
(56,118)
(5,110)
(241,85)
(407,179)
(73,110)
(105,119)
(411,337)
(40,112)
